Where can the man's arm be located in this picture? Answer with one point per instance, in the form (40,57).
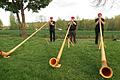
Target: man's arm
(75,23)
(102,21)
(96,21)
(54,24)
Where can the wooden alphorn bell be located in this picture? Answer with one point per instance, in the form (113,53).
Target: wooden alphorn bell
(54,62)
(105,71)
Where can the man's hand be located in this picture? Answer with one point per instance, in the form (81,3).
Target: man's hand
(52,23)
(72,22)
(100,21)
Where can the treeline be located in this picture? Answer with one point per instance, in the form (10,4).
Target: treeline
(112,24)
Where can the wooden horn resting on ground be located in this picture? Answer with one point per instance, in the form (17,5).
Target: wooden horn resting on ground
(6,54)
(69,42)
(105,71)
(54,62)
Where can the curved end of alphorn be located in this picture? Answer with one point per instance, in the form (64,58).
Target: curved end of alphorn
(54,63)
(4,54)
(106,72)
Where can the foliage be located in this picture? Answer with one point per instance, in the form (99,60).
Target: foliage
(16,5)
(61,23)
(19,6)
(13,23)
(111,24)
(1,24)
(106,3)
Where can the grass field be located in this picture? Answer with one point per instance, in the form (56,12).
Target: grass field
(60,34)
(81,62)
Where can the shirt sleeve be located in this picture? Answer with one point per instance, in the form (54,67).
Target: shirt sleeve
(103,20)
(54,22)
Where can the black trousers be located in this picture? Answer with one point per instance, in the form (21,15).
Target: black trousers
(52,35)
(72,36)
(97,33)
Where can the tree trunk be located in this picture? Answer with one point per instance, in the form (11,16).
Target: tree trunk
(23,26)
(19,24)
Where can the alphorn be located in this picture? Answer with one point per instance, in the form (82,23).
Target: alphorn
(69,42)
(54,62)
(105,71)
(6,54)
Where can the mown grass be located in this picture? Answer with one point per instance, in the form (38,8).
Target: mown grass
(31,60)
(44,33)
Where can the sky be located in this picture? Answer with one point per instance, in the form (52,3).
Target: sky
(64,9)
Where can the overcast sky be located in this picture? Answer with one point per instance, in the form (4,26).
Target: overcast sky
(67,8)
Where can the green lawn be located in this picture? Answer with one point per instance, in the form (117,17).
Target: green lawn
(31,60)
(44,33)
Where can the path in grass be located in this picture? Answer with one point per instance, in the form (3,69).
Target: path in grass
(81,62)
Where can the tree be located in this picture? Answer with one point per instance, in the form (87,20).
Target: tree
(19,6)
(41,18)
(13,23)
(61,23)
(104,2)
(117,23)
(99,2)
(1,24)
(77,18)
